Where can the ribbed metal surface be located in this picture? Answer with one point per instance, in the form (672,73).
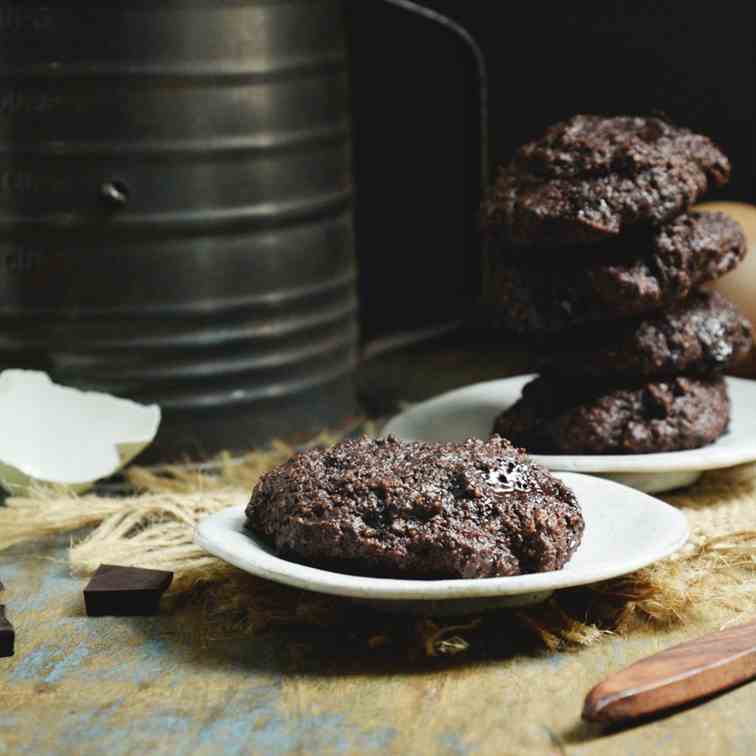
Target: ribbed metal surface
(175,209)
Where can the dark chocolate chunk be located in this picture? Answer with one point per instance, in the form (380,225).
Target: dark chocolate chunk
(117,591)
(7,635)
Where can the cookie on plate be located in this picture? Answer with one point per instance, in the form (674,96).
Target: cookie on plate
(702,335)
(418,510)
(556,416)
(543,293)
(592,178)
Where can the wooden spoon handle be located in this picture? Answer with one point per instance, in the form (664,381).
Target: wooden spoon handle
(680,675)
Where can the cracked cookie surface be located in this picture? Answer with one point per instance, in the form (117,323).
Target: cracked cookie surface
(557,416)
(703,335)
(554,290)
(418,510)
(592,178)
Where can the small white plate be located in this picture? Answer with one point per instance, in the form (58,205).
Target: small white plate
(624,531)
(469,412)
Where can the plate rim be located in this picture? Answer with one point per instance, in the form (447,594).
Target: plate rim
(277,569)
(711,457)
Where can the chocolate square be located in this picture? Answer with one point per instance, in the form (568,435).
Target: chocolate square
(116,591)
(7,635)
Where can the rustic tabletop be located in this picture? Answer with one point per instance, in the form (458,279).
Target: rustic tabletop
(81,685)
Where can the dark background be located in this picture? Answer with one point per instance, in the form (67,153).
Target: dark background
(417,146)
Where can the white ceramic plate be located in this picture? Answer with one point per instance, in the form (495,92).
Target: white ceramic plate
(624,531)
(470,412)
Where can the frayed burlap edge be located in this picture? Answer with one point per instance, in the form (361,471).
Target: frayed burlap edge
(716,571)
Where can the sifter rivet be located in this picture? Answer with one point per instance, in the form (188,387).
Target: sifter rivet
(115,194)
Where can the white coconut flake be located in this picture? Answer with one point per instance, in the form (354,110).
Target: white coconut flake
(57,434)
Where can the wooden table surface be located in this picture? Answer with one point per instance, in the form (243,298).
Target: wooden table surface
(162,686)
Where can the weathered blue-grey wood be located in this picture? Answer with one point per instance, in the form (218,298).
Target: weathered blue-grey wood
(162,686)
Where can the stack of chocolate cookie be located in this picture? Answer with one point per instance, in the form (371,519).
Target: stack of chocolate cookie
(594,254)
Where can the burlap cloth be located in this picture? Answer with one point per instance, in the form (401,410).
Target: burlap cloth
(713,577)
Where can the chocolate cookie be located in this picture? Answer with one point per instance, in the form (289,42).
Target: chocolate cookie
(591,178)
(703,335)
(421,510)
(546,293)
(555,416)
